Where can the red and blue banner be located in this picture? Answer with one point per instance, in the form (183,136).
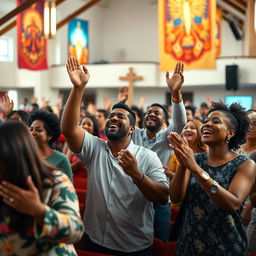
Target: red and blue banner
(32,52)
(187,33)
(78,40)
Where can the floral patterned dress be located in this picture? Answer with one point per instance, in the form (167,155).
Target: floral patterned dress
(62,225)
(205,228)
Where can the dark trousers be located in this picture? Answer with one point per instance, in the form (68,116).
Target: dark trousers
(162,222)
(89,245)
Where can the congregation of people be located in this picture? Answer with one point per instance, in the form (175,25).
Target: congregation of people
(115,180)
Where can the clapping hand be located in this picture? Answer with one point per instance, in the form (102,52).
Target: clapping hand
(129,163)
(78,76)
(175,82)
(183,152)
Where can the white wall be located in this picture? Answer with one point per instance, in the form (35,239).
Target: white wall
(96,40)
(123,31)
(230,46)
(131,32)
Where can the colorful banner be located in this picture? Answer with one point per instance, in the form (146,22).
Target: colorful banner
(187,33)
(78,40)
(32,52)
(218,31)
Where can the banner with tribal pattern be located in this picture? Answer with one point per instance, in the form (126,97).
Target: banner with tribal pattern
(187,33)
(32,52)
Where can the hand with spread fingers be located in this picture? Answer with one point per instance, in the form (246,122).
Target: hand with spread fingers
(175,82)
(24,201)
(129,163)
(183,152)
(7,104)
(78,75)
(123,94)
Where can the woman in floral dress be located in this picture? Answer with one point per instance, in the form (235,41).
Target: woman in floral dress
(39,212)
(213,186)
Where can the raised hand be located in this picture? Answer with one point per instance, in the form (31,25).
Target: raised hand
(7,104)
(78,76)
(24,201)
(175,82)
(33,99)
(123,94)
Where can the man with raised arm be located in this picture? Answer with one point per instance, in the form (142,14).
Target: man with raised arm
(154,138)
(123,178)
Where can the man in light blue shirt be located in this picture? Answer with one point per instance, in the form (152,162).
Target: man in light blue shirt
(123,178)
(154,138)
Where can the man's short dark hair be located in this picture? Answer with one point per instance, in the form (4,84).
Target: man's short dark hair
(131,114)
(192,108)
(204,105)
(104,112)
(164,109)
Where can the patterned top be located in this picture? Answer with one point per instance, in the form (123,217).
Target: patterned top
(206,229)
(62,225)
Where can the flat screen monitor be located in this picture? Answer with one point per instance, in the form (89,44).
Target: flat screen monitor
(245,101)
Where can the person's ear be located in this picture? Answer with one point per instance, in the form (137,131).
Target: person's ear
(231,133)
(49,137)
(132,128)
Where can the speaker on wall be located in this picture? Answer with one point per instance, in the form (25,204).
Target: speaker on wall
(232,81)
(235,30)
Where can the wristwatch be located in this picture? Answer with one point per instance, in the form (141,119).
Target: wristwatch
(214,188)
(205,175)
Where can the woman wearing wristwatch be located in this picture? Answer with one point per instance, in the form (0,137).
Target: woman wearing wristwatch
(213,185)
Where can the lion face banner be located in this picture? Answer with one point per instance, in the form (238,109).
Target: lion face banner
(187,33)
(32,53)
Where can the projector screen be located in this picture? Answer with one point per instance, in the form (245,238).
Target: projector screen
(245,101)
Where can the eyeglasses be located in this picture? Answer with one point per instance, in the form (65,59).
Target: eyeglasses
(253,124)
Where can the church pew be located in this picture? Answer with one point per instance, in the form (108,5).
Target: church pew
(81,193)
(80,182)
(86,253)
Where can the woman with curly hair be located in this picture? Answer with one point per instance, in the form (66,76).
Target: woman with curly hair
(45,128)
(35,217)
(213,185)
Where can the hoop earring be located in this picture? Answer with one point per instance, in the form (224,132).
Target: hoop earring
(227,140)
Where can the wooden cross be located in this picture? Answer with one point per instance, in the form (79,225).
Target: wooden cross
(131,78)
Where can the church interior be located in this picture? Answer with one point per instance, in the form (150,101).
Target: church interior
(130,44)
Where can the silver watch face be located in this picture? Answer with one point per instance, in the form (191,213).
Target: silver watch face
(205,175)
(213,189)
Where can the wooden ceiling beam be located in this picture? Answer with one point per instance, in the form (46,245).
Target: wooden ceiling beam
(235,6)
(76,13)
(17,10)
(242,2)
(233,16)
(13,24)
(239,4)
(226,16)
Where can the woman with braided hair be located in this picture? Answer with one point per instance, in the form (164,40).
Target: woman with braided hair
(213,185)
